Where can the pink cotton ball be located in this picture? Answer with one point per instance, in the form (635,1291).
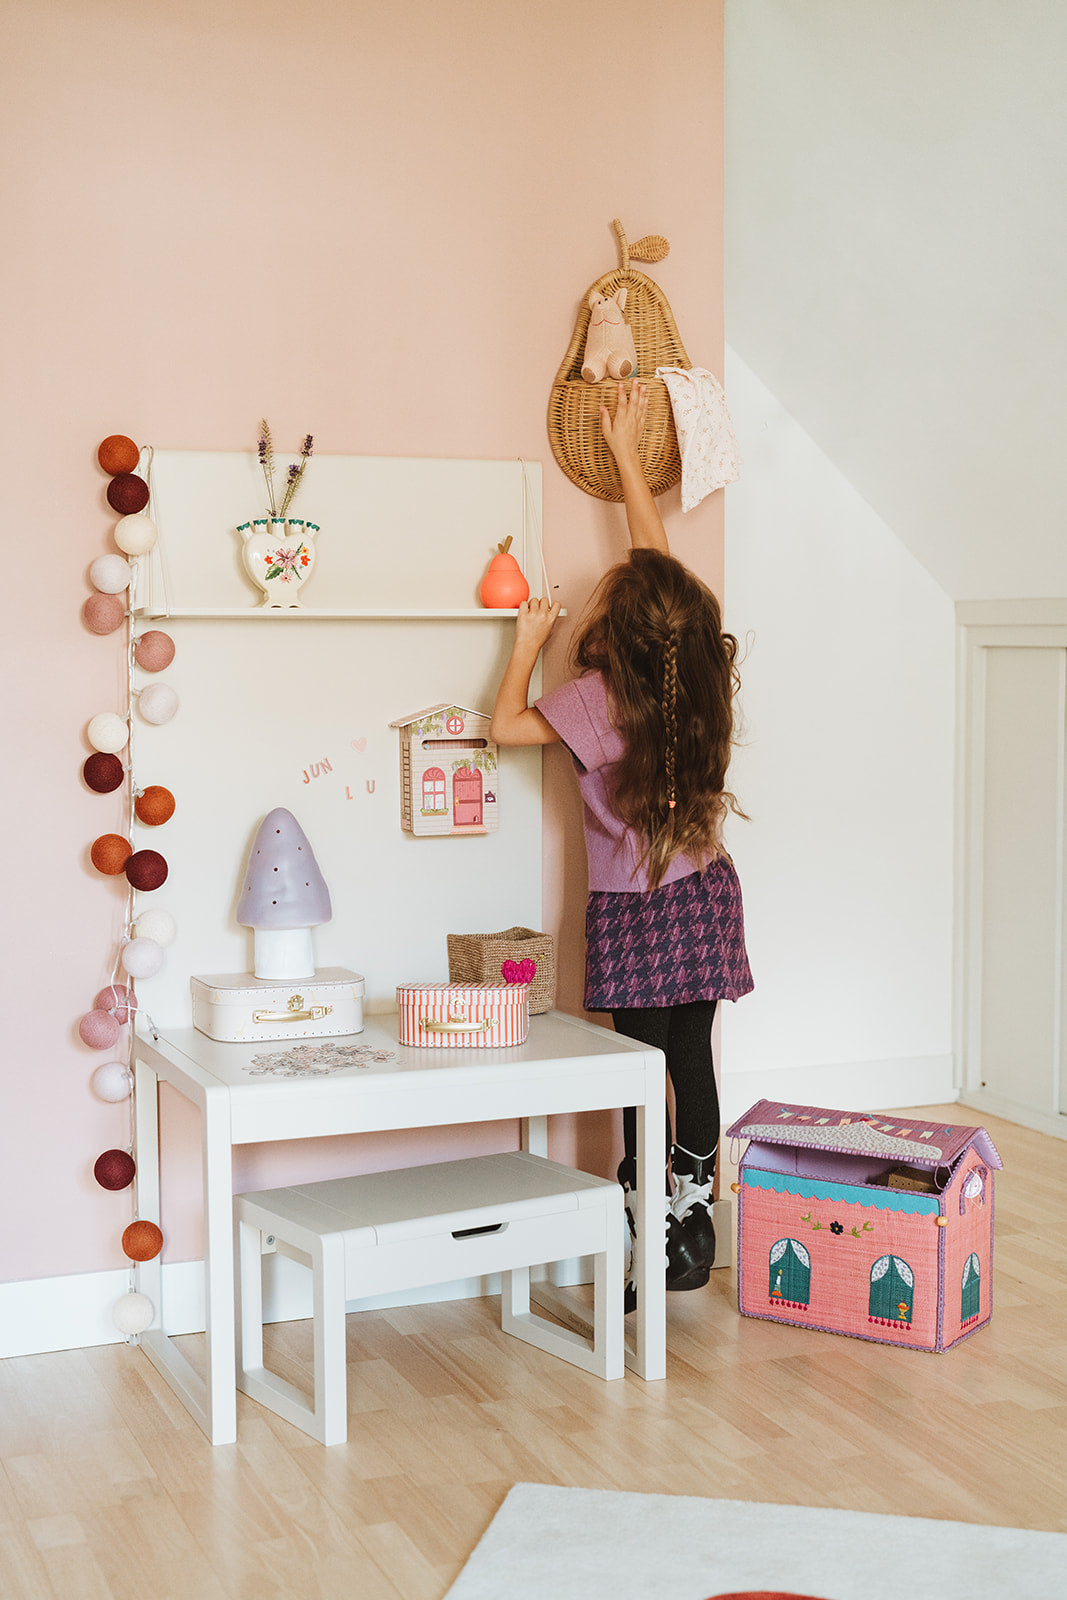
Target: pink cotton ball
(99,1030)
(103,613)
(119,1001)
(154,650)
(142,958)
(110,574)
(112,1082)
(157,703)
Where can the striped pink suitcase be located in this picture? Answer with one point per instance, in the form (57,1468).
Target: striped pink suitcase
(463,1016)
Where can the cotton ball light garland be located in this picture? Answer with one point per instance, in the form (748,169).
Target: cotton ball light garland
(118,1001)
(142,1241)
(135,535)
(112,1082)
(141,958)
(108,732)
(157,925)
(103,773)
(157,703)
(127,494)
(118,454)
(133,1314)
(110,853)
(111,574)
(146,869)
(154,805)
(115,1169)
(103,613)
(154,650)
(99,1030)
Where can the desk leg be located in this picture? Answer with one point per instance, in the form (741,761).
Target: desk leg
(649,1356)
(213,1404)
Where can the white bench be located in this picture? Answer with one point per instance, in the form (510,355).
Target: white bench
(385,1231)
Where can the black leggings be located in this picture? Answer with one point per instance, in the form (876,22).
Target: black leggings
(683,1033)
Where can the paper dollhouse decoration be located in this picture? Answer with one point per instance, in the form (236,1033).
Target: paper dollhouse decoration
(283,897)
(448,772)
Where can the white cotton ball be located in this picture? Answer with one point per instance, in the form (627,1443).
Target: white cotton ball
(157,925)
(133,1313)
(136,535)
(157,703)
(113,1082)
(108,732)
(110,574)
(142,958)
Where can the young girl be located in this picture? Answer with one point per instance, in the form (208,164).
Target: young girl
(649,722)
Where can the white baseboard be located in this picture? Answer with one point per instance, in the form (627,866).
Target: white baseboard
(74,1312)
(1053,1123)
(859,1085)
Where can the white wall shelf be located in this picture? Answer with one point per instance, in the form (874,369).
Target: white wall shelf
(309,614)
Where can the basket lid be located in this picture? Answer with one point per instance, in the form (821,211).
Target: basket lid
(854,1133)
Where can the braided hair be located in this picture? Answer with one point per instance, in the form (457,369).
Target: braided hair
(655,632)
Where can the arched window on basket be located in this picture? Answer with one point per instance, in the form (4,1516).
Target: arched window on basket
(892,1292)
(790,1275)
(972,1190)
(970,1289)
(433,790)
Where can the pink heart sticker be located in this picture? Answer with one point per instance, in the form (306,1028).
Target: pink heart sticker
(359,744)
(519,971)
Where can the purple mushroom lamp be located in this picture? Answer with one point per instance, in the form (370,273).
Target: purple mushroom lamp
(284,896)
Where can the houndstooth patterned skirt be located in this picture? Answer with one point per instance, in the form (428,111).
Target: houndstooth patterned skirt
(681,942)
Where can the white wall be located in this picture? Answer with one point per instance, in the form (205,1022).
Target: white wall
(847,775)
(895,239)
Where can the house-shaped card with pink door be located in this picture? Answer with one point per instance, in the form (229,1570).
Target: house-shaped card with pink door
(448,772)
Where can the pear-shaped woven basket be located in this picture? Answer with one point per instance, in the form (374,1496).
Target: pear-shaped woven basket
(574,406)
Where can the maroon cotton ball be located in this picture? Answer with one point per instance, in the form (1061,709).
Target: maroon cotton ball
(146,869)
(114,1169)
(103,613)
(103,772)
(154,650)
(118,454)
(127,494)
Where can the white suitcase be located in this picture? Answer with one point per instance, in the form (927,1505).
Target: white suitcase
(239,1008)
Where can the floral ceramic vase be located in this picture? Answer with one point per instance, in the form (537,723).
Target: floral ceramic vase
(279,557)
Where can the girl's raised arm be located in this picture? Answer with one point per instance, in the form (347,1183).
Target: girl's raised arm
(622,434)
(515,721)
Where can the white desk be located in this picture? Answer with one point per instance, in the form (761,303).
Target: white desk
(565,1065)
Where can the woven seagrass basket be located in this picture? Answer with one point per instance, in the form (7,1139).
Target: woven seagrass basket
(574,405)
(478,958)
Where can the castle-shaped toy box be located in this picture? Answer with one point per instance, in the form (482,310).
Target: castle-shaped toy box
(874,1226)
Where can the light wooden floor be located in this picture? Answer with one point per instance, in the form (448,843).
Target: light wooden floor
(110,1492)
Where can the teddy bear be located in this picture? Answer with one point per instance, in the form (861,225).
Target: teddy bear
(609,343)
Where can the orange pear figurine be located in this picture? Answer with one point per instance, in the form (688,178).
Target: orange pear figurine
(503,585)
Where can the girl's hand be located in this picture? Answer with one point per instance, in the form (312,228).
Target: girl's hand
(535,622)
(623,432)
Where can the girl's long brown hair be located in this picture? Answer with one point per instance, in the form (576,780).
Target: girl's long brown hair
(656,634)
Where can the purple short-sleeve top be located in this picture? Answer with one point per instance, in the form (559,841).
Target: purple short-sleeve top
(580,713)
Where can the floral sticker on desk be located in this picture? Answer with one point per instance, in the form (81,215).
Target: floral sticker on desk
(317,1060)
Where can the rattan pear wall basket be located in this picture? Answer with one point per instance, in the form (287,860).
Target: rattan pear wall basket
(574,406)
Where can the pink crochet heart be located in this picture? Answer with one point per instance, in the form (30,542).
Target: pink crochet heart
(519,971)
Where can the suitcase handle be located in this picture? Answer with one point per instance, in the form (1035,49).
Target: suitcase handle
(311,1014)
(455,1025)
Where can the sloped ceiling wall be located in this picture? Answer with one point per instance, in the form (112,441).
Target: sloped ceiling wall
(896,240)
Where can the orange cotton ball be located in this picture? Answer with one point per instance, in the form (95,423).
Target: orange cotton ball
(110,853)
(142,1241)
(118,454)
(154,806)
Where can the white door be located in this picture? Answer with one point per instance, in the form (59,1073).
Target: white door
(1012,890)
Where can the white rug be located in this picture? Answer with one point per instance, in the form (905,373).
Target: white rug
(547,1543)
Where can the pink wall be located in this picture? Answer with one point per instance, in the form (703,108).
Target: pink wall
(375,222)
